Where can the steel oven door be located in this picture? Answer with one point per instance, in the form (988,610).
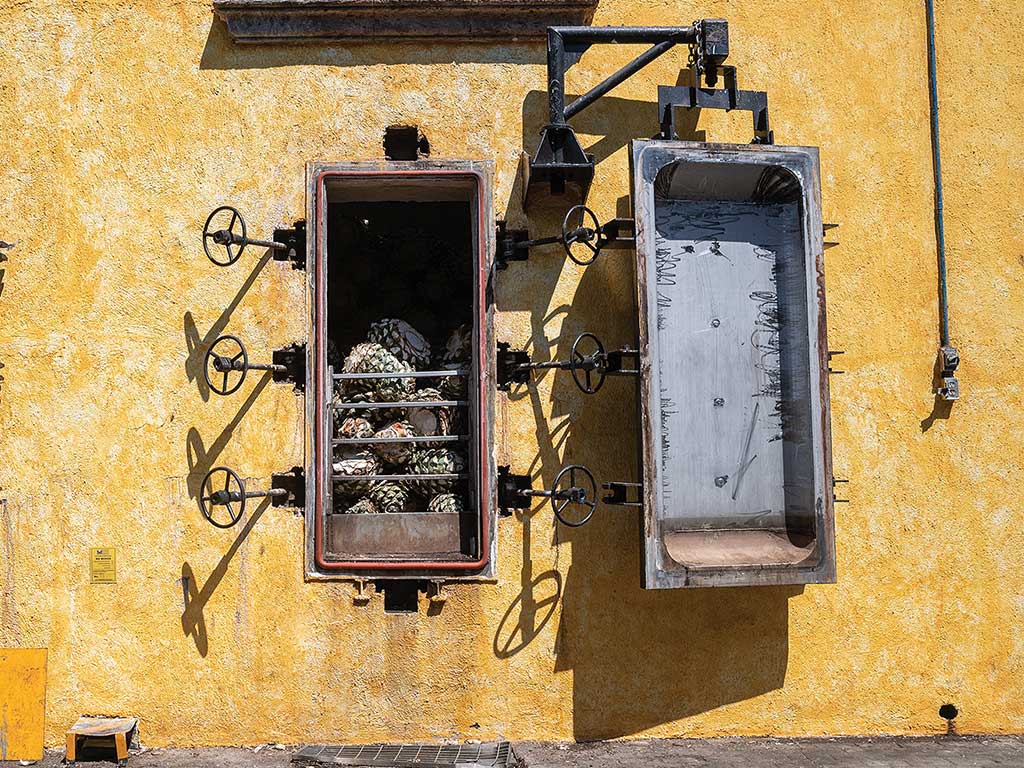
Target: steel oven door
(420,542)
(734,403)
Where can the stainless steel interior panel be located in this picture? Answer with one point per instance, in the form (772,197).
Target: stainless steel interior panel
(734,386)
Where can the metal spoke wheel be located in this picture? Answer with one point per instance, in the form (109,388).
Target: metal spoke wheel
(226,237)
(573,496)
(580,226)
(225,356)
(229,493)
(586,368)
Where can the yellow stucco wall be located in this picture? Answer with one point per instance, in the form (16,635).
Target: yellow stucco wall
(123,124)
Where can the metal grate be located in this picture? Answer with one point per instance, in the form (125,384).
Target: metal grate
(490,755)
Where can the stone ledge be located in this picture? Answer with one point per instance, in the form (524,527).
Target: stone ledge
(318,21)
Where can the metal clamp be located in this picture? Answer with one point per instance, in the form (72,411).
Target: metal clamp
(949,385)
(288,244)
(227,355)
(579,227)
(233,492)
(589,367)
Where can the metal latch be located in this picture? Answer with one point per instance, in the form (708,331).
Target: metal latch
(579,227)
(588,363)
(619,494)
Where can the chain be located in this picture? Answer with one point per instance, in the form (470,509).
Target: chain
(696,57)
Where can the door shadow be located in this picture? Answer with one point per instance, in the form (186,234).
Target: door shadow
(639,658)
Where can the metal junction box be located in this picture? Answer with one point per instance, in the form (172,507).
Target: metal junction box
(733,392)
(410,240)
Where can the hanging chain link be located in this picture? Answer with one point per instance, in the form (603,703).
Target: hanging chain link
(696,57)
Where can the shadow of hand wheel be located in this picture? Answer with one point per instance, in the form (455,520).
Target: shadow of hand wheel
(532,615)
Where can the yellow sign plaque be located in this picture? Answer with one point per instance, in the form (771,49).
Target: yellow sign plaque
(103,565)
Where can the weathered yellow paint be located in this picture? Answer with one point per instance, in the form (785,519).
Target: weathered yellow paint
(22,703)
(123,124)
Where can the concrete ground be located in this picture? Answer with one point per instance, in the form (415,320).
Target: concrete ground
(879,752)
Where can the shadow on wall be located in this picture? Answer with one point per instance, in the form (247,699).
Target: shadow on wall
(197,347)
(193,624)
(639,658)
(201,459)
(221,53)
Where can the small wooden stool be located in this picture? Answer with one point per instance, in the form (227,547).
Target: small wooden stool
(119,730)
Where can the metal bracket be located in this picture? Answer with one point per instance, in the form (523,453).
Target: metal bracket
(835,482)
(512,366)
(672,97)
(295,240)
(949,361)
(293,483)
(405,142)
(511,491)
(831,354)
(560,161)
(362,595)
(290,365)
(619,494)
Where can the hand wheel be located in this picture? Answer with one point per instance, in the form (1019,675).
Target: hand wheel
(573,495)
(225,497)
(225,237)
(587,364)
(575,230)
(225,364)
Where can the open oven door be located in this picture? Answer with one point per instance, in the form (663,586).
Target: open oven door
(733,392)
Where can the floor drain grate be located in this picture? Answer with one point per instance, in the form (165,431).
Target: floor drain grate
(490,755)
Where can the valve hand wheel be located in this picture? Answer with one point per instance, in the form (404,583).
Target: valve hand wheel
(228,493)
(573,495)
(225,356)
(587,368)
(225,237)
(580,225)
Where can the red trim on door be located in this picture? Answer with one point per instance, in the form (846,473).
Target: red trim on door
(320,290)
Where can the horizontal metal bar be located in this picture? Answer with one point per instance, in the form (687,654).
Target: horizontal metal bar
(401,375)
(404,404)
(411,439)
(462,476)
(626,34)
(266,244)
